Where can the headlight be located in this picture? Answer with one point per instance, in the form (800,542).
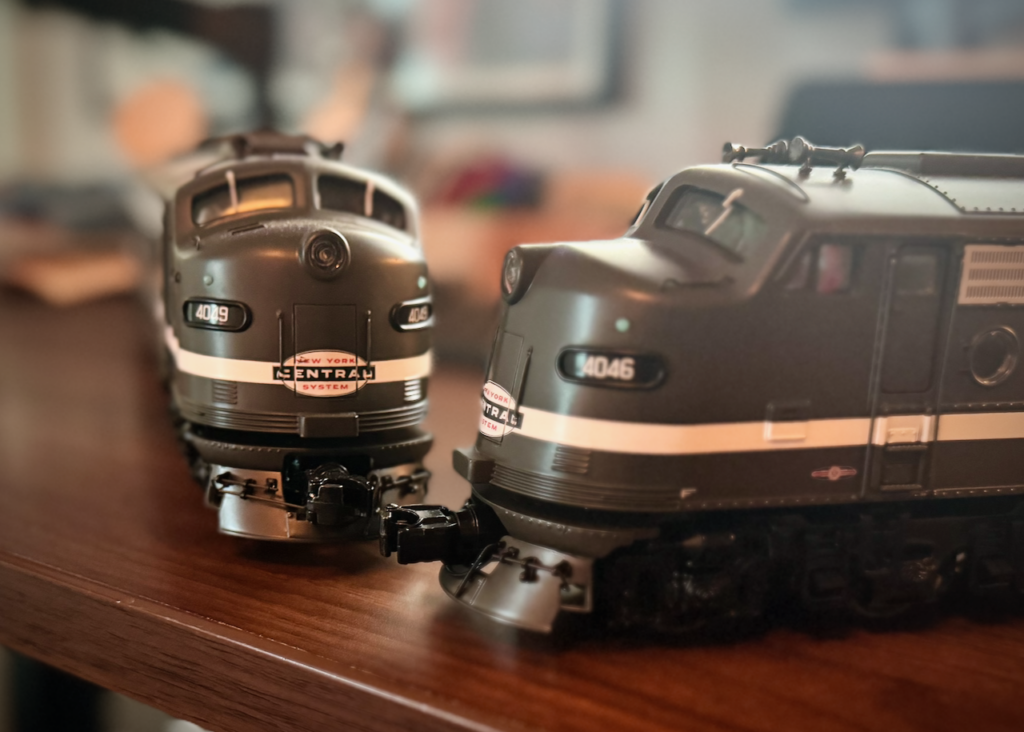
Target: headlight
(521,265)
(326,254)
(512,272)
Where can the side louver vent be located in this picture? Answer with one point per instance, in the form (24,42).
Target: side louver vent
(225,392)
(992,275)
(414,390)
(571,460)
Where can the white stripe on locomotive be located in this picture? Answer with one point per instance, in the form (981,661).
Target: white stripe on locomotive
(643,438)
(262,372)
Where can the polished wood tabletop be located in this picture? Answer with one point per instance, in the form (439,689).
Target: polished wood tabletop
(111,568)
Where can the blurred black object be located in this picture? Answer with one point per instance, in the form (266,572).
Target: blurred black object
(245,33)
(92,207)
(936,23)
(962,116)
(49,700)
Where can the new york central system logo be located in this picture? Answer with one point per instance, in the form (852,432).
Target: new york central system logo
(499,415)
(325,373)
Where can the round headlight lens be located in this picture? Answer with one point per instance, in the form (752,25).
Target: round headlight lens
(512,272)
(327,254)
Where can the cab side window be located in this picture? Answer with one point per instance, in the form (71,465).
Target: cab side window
(721,219)
(826,269)
(917,274)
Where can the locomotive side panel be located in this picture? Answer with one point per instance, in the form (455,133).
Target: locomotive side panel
(794,428)
(980,440)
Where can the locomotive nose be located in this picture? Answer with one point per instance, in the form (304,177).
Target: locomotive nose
(520,266)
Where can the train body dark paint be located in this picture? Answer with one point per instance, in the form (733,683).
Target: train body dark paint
(785,375)
(298,318)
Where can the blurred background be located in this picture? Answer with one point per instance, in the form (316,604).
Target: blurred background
(530,121)
(525,121)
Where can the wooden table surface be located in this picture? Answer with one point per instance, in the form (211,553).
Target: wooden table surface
(110,568)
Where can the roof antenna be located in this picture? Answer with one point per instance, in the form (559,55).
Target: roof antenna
(798,152)
(334,151)
(777,152)
(803,152)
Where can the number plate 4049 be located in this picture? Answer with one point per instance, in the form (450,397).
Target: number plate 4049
(216,314)
(614,369)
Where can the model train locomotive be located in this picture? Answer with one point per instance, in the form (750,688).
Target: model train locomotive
(297,314)
(795,375)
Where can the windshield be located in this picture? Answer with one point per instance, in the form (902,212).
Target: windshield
(243,196)
(364,199)
(722,219)
(646,204)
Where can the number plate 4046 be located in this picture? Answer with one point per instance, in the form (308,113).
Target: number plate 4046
(614,369)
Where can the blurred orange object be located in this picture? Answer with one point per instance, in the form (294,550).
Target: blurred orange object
(70,278)
(160,120)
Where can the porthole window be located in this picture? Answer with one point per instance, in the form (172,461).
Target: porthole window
(993,356)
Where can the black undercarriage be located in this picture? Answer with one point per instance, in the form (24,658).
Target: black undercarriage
(713,569)
(874,561)
(321,480)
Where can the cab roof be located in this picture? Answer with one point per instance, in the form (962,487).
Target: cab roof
(849,194)
(845,183)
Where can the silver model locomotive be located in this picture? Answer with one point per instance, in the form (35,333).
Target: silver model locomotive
(800,374)
(298,328)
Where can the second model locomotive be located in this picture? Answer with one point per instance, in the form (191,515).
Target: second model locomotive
(799,375)
(298,317)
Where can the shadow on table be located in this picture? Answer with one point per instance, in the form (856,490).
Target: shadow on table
(349,557)
(583,632)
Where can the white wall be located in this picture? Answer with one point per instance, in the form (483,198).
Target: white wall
(697,73)
(8,116)
(62,76)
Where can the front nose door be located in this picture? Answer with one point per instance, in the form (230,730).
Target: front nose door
(326,338)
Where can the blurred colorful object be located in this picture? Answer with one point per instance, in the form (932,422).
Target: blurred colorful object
(492,182)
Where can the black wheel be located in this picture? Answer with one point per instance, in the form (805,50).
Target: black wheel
(199,468)
(868,598)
